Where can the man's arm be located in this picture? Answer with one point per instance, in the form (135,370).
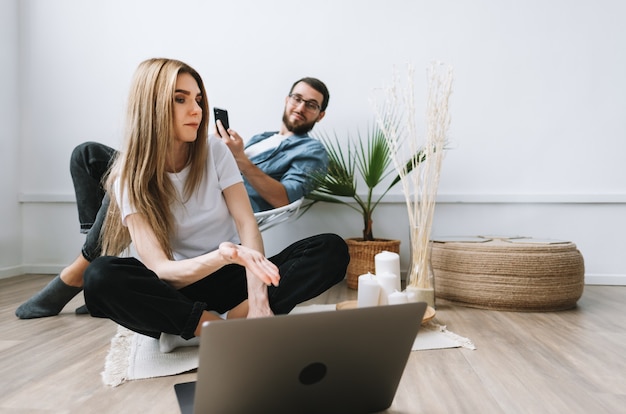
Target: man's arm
(269,189)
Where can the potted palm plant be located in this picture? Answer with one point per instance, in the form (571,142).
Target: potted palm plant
(370,159)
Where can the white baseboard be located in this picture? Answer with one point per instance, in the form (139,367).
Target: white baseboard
(7,272)
(43,269)
(11,271)
(610,280)
(590,279)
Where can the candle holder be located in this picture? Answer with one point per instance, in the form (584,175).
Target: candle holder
(420,276)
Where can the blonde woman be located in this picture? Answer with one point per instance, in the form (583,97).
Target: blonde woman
(178,196)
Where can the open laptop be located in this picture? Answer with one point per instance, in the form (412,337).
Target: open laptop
(345,361)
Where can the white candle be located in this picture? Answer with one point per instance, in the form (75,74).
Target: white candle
(387,282)
(397,298)
(410,295)
(388,262)
(368,291)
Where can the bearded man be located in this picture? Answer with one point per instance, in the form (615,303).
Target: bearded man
(277,166)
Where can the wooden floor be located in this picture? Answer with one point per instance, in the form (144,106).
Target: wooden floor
(560,362)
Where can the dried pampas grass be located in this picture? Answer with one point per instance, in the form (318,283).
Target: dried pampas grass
(396,116)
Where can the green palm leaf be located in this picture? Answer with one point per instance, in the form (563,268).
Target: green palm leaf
(370,157)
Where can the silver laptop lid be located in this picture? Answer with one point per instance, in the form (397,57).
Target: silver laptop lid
(347,361)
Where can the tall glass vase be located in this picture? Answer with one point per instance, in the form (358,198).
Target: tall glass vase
(420,277)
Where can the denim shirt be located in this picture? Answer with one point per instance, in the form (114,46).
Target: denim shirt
(291,163)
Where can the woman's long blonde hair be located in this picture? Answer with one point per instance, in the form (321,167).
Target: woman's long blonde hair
(141,164)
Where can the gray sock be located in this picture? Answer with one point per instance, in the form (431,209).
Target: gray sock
(82,310)
(49,301)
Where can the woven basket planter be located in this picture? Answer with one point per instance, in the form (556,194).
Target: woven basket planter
(502,274)
(362,257)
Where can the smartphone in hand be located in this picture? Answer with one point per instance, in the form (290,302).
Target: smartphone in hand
(222,115)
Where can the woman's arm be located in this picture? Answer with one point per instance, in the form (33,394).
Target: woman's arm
(239,206)
(180,273)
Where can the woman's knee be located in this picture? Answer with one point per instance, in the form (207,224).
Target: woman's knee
(337,241)
(96,271)
(336,246)
(103,274)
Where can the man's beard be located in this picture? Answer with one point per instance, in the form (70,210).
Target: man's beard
(301,129)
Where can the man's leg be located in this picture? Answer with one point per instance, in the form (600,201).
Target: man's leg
(91,250)
(51,299)
(89,163)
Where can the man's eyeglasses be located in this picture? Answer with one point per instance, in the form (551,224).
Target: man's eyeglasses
(311,106)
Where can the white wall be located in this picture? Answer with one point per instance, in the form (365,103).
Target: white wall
(537,109)
(10,217)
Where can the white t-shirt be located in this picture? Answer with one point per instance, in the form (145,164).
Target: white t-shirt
(266,144)
(203,221)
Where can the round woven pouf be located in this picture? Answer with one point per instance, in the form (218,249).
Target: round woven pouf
(512,274)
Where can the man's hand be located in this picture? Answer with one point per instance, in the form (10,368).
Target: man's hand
(233,141)
(254,262)
(271,190)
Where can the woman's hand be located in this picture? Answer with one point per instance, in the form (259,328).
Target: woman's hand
(254,262)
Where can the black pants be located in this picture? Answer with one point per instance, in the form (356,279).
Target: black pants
(88,165)
(125,291)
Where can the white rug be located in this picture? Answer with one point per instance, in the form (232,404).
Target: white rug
(133,356)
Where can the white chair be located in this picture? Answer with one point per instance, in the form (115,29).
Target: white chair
(270,218)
